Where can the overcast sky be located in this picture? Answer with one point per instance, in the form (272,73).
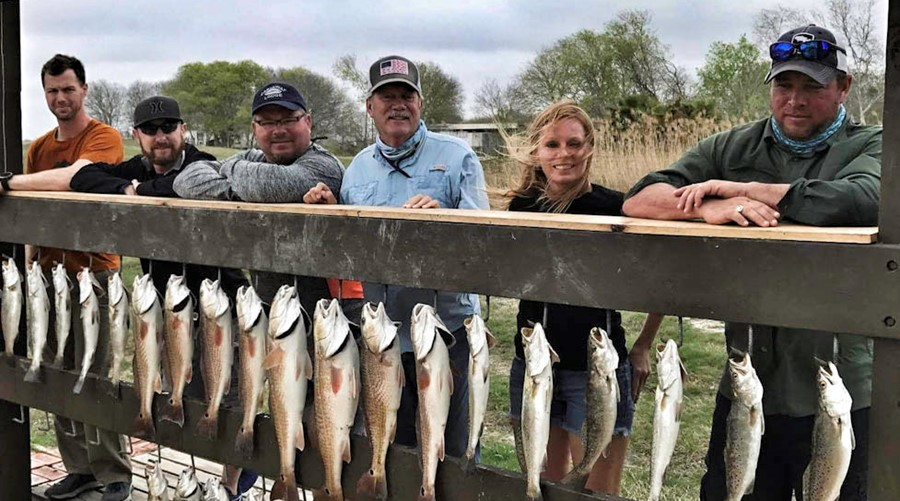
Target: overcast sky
(474,40)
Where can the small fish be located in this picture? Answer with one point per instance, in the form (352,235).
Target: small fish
(38,310)
(382,384)
(157,487)
(289,369)
(11,304)
(480,340)
(602,399)
(336,392)
(217,353)
(147,320)
(188,487)
(253,326)
(179,344)
(434,382)
(745,428)
(833,440)
(253,495)
(118,325)
(62,302)
(537,394)
(670,375)
(214,490)
(90,321)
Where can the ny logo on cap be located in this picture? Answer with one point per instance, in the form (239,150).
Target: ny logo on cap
(273,92)
(156,107)
(394,66)
(803,37)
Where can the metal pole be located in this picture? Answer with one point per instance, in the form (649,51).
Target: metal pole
(15,462)
(884,449)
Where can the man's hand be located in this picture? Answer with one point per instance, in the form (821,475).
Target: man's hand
(640,368)
(421,202)
(319,194)
(692,195)
(131,190)
(741,210)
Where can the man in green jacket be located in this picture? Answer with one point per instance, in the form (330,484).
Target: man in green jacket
(807,163)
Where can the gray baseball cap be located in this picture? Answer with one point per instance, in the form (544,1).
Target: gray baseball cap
(394,69)
(822,70)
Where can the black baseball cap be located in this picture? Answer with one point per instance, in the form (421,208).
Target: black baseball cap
(279,94)
(155,108)
(393,69)
(823,70)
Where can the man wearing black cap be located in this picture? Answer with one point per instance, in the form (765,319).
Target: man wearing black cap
(809,164)
(412,167)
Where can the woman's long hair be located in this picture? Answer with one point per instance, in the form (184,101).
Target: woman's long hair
(523,148)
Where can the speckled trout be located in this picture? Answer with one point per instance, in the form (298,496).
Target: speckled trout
(62,303)
(745,428)
(157,487)
(667,413)
(11,304)
(188,487)
(480,341)
(537,393)
(832,440)
(38,311)
(118,325)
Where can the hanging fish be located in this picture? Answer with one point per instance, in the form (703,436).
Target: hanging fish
(11,304)
(38,310)
(62,302)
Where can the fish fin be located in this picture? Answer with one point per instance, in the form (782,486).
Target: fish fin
(228,383)
(762,423)
(678,408)
(441,449)
(491,340)
(401,377)
(345,450)
(684,372)
(554,358)
(852,437)
(354,385)
(544,462)
(274,358)
(450,383)
(392,433)
(34,375)
(173,412)
(157,384)
(190,375)
(309,374)
(300,439)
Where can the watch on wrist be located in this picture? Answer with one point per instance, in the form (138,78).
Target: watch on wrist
(4,180)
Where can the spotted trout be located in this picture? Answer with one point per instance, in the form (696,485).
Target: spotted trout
(253,326)
(336,392)
(147,321)
(832,440)
(217,353)
(745,428)
(667,413)
(38,312)
(213,490)
(480,341)
(537,393)
(157,487)
(188,487)
(382,384)
(118,325)
(90,321)
(62,302)
(602,398)
(179,337)
(11,304)
(431,341)
(289,369)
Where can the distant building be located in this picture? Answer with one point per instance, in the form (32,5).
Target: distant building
(484,138)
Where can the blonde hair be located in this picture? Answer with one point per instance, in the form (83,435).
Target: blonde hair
(523,148)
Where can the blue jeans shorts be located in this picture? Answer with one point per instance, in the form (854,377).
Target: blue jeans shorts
(568,408)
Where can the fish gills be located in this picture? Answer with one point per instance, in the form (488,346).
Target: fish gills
(179,344)
(381,370)
(832,440)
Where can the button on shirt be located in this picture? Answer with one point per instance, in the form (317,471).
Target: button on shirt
(447,170)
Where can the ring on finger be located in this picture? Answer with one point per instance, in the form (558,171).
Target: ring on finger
(739,209)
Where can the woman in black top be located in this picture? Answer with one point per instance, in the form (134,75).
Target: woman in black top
(556,163)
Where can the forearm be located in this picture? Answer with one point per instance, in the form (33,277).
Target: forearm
(49,180)
(767,193)
(265,182)
(649,330)
(848,202)
(201,180)
(94,179)
(657,201)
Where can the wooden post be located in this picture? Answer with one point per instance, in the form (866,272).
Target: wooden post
(884,447)
(15,437)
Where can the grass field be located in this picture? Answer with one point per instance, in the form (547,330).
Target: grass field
(620,159)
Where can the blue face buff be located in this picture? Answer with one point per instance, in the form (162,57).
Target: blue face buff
(810,145)
(404,150)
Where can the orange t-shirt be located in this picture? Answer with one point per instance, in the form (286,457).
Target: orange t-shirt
(98,142)
(350,289)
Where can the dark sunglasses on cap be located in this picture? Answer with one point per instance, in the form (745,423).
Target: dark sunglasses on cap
(813,50)
(165,127)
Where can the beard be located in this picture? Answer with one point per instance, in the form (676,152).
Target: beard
(70,113)
(165,156)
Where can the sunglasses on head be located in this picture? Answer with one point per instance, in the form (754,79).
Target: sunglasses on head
(165,127)
(813,50)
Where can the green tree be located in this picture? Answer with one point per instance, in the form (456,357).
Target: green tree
(215,97)
(733,79)
(441,94)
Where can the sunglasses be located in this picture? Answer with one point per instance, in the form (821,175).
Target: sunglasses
(814,50)
(286,123)
(166,128)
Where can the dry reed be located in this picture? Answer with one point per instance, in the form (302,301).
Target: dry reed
(623,153)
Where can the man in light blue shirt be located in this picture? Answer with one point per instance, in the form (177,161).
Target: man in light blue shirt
(410,167)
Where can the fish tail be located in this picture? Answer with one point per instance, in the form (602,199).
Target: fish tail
(34,374)
(534,494)
(243,444)
(143,425)
(80,383)
(576,478)
(209,426)
(372,486)
(328,494)
(285,488)
(58,360)
(470,452)
(173,412)
(426,494)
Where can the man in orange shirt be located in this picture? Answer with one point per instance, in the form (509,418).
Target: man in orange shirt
(52,160)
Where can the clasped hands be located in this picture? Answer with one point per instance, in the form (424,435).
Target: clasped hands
(721,202)
(321,194)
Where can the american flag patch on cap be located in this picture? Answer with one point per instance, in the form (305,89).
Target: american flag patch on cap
(394,66)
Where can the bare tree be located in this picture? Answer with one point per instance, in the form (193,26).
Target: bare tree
(138,91)
(769,24)
(500,102)
(106,102)
(853,19)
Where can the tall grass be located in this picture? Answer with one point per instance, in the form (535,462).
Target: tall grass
(624,151)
